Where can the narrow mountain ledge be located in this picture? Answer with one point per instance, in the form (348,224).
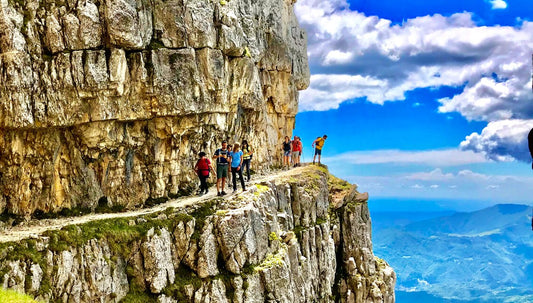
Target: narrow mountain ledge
(281,241)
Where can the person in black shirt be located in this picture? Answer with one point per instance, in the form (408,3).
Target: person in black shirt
(246,157)
(286,151)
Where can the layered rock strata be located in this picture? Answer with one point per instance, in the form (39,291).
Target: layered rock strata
(279,242)
(112,99)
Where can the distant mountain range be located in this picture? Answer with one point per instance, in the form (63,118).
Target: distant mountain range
(480,256)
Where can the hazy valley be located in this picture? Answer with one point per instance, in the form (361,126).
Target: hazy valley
(446,256)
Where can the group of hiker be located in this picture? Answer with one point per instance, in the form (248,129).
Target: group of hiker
(232,160)
(292,150)
(229,159)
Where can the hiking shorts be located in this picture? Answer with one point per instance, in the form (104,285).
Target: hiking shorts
(318,151)
(286,153)
(295,154)
(222,171)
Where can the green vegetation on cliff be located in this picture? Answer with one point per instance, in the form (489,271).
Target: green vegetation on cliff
(11,296)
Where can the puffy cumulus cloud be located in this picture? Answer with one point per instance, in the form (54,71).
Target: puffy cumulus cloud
(503,140)
(430,51)
(329,91)
(357,56)
(498,4)
(435,158)
(491,99)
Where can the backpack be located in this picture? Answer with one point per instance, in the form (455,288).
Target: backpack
(201,171)
(219,152)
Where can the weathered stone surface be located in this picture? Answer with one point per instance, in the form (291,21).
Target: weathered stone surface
(129,23)
(369,278)
(207,253)
(15,278)
(232,250)
(36,277)
(79,76)
(158,261)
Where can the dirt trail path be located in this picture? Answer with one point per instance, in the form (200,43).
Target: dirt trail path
(33,228)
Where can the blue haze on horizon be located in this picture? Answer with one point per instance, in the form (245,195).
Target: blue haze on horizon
(409,116)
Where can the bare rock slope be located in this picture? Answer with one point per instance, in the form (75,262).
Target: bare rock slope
(281,241)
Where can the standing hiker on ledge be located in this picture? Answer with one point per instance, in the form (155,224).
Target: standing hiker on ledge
(286,152)
(296,151)
(222,158)
(318,144)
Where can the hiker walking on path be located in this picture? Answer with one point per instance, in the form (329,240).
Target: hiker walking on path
(236,164)
(286,151)
(222,157)
(246,158)
(296,151)
(230,147)
(202,169)
(318,144)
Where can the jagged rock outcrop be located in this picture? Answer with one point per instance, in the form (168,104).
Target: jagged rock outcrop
(112,99)
(364,276)
(279,242)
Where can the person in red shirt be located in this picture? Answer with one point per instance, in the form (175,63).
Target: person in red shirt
(202,169)
(296,151)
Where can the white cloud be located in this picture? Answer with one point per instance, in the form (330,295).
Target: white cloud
(337,57)
(439,158)
(501,140)
(459,185)
(428,51)
(328,91)
(498,4)
(357,56)
(490,99)
(434,175)
(468,174)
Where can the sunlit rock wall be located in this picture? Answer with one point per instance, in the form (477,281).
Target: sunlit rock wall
(114,98)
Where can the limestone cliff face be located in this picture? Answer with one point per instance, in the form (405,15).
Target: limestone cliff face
(279,242)
(113,98)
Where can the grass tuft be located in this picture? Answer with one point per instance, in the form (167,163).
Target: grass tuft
(7,295)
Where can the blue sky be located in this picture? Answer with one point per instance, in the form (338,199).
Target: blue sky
(430,100)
